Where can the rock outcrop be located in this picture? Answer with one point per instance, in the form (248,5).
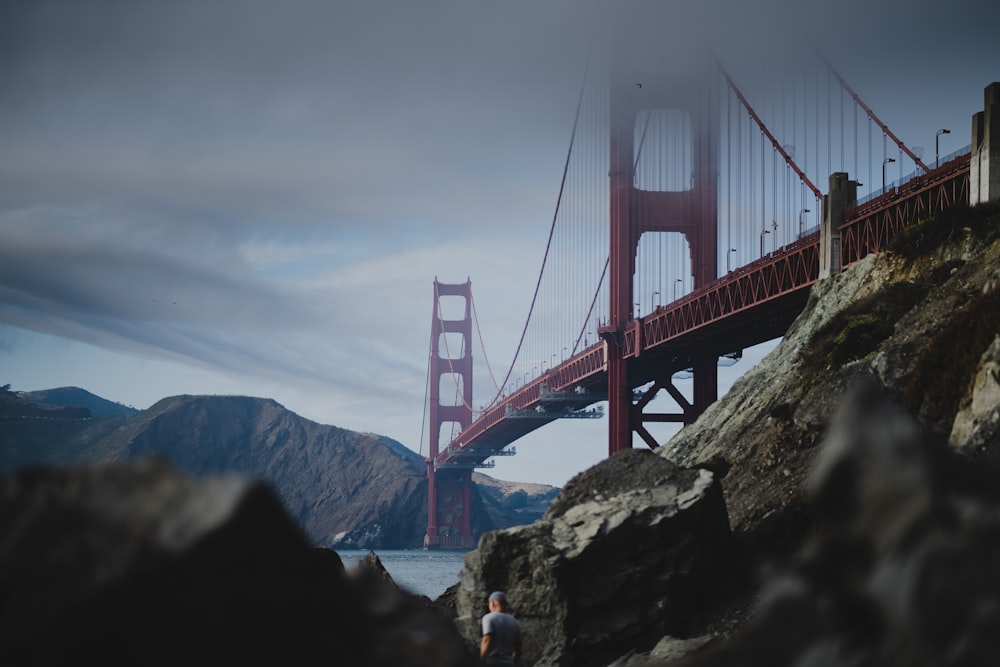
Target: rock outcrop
(622,557)
(920,318)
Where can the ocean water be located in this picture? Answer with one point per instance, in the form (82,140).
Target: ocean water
(420,571)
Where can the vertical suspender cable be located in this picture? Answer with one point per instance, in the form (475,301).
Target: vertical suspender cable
(555,216)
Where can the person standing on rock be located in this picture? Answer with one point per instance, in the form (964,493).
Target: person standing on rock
(501,633)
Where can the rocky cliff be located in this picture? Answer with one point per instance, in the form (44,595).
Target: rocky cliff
(918,318)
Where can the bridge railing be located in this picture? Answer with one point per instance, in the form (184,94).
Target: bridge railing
(874,222)
(888,188)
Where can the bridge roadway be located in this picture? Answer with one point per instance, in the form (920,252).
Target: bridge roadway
(750,305)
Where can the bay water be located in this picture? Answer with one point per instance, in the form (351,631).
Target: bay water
(421,571)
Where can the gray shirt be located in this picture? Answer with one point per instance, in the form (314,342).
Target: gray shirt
(506,635)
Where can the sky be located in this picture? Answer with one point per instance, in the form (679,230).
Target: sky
(254,198)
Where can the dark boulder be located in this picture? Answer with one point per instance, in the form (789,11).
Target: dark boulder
(620,559)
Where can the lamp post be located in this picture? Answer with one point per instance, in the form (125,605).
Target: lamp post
(652,300)
(762,232)
(678,280)
(805,210)
(728,255)
(936,138)
(885,162)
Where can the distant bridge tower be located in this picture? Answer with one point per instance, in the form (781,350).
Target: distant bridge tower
(689,207)
(449,489)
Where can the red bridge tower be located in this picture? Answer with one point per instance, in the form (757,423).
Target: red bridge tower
(691,211)
(449,489)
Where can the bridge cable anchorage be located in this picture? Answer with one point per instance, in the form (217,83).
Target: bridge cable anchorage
(760,123)
(555,216)
(871,114)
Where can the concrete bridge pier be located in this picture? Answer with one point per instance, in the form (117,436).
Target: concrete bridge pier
(843,195)
(984,166)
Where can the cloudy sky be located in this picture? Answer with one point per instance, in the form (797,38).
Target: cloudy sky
(249,197)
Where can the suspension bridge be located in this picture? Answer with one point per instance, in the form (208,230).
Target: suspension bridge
(692,219)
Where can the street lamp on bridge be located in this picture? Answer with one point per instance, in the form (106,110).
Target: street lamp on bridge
(762,232)
(678,280)
(805,210)
(652,300)
(936,137)
(728,255)
(886,161)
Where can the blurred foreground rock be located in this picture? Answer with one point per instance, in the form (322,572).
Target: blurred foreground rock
(141,565)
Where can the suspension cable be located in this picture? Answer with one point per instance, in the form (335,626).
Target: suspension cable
(482,346)
(427,388)
(552,227)
(763,128)
(590,311)
(871,114)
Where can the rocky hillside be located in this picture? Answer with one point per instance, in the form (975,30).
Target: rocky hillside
(347,489)
(918,318)
(837,506)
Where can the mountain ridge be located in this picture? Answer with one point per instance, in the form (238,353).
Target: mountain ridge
(346,489)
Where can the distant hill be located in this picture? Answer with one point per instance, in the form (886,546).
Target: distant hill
(347,489)
(76,397)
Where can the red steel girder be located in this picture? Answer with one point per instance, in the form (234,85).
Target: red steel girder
(791,268)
